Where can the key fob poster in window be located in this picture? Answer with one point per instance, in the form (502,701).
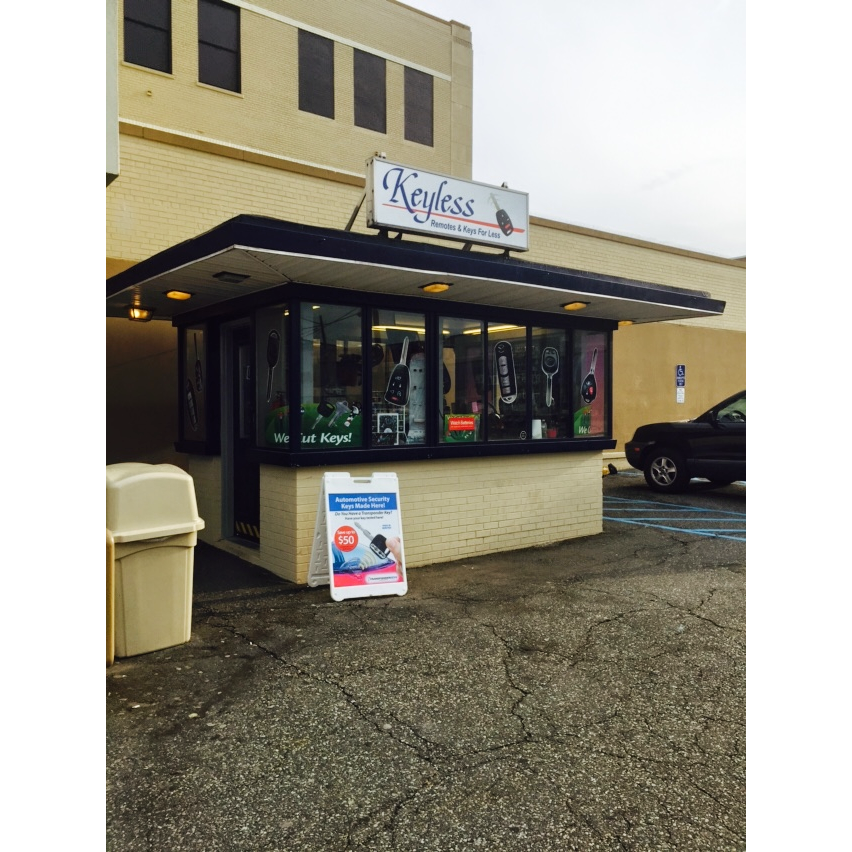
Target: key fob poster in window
(589,358)
(399,382)
(504,364)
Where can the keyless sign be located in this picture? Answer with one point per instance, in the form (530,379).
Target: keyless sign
(415,201)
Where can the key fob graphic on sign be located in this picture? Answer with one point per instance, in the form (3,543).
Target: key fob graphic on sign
(550,367)
(399,382)
(589,388)
(503,220)
(504,361)
(378,543)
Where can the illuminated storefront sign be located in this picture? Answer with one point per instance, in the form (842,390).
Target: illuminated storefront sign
(416,201)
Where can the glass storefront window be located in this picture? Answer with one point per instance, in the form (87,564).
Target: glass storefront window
(194,390)
(331,381)
(591,417)
(490,381)
(551,408)
(507,391)
(398,358)
(272,376)
(461,380)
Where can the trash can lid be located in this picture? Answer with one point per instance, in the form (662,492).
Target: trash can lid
(149,501)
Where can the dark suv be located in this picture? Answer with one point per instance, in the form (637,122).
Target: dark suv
(712,446)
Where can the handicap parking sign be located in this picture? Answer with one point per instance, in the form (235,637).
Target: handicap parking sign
(680,375)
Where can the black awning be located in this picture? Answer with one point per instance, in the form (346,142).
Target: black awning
(248,254)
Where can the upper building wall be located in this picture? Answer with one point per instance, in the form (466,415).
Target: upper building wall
(194,156)
(265,117)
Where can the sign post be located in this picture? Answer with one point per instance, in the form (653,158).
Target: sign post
(357,547)
(680,383)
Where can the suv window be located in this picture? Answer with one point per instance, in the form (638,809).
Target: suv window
(733,412)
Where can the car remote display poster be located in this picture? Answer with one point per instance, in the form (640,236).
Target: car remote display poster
(589,372)
(357,546)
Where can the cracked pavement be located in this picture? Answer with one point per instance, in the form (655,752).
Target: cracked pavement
(584,696)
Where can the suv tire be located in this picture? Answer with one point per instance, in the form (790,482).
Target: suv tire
(665,470)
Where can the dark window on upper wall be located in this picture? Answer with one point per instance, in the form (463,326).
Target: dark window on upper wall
(418,107)
(219,45)
(316,74)
(148,33)
(370,92)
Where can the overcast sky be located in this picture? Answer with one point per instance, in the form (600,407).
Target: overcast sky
(627,116)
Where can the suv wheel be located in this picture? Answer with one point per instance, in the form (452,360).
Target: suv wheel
(665,470)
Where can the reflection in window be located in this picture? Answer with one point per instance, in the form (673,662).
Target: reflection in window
(194,390)
(398,357)
(272,375)
(461,381)
(332,391)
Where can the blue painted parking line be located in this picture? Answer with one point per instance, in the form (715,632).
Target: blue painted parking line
(711,523)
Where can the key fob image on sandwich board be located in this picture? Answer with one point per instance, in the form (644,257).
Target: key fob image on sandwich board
(358,545)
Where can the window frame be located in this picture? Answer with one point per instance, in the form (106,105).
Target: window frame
(370,100)
(292,454)
(419,107)
(231,79)
(315,74)
(135,26)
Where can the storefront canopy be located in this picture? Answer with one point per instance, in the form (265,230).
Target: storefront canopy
(249,254)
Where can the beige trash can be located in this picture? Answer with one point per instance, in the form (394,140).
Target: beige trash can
(153,520)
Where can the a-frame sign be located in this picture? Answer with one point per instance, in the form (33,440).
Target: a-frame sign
(358,545)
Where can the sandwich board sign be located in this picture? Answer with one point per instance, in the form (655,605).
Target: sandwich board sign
(357,548)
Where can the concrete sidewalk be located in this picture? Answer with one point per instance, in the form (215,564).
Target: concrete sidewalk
(585,696)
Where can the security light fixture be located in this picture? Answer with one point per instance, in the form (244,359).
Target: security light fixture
(435,287)
(575,306)
(138,313)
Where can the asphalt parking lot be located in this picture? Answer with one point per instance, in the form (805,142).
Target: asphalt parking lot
(588,695)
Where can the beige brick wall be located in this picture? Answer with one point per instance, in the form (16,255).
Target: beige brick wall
(450,509)
(264,115)
(168,193)
(609,254)
(206,473)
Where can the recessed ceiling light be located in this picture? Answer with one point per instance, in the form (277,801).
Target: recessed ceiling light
(575,306)
(435,287)
(625,322)
(179,295)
